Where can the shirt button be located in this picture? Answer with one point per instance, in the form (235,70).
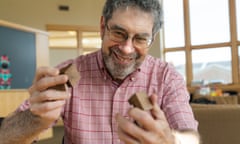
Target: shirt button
(132,79)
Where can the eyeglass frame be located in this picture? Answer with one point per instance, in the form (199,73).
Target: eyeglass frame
(126,36)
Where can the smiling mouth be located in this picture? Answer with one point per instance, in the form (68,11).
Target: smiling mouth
(122,59)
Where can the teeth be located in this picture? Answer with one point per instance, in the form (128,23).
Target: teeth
(123,59)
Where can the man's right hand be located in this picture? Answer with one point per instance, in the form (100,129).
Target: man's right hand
(45,102)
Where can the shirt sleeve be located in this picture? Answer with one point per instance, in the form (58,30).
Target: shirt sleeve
(175,102)
(24,106)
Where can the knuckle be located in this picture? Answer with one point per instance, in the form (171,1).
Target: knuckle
(44,96)
(126,126)
(40,84)
(47,107)
(146,118)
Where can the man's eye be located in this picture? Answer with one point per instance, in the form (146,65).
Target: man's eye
(141,39)
(119,34)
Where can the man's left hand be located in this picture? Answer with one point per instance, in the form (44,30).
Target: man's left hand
(151,128)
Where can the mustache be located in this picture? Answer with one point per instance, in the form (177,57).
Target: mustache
(117,51)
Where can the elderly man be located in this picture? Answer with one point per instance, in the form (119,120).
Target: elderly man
(96,110)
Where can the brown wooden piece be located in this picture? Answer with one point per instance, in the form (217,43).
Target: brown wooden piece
(61,87)
(73,77)
(141,101)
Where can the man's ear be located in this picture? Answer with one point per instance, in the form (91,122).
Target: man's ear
(102,27)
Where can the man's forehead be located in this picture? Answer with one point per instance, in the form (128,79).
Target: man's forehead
(132,19)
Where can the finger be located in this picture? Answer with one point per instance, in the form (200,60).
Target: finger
(143,118)
(45,71)
(127,139)
(156,112)
(128,128)
(41,108)
(49,95)
(133,133)
(40,73)
(155,130)
(48,82)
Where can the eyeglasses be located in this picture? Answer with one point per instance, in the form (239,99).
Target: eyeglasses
(118,35)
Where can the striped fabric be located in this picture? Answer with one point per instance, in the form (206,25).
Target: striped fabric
(89,114)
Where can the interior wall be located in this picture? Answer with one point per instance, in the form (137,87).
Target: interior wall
(38,13)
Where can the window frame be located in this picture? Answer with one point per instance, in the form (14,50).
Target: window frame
(234,44)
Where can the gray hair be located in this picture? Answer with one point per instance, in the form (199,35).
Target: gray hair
(150,6)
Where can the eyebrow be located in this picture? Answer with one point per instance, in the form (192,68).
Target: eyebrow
(117,27)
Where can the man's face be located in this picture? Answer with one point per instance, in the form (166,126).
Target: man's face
(124,39)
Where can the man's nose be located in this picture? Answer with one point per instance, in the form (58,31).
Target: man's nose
(127,47)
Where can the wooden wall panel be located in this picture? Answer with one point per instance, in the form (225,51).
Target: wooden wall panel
(10,100)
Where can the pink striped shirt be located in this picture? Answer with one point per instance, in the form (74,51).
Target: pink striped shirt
(89,114)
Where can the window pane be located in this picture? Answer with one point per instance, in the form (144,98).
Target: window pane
(63,39)
(209,21)
(178,60)
(238,18)
(91,40)
(173,23)
(239,61)
(212,65)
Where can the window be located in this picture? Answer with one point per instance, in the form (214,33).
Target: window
(238,18)
(90,42)
(178,60)
(213,65)
(173,23)
(209,26)
(202,39)
(62,39)
(67,42)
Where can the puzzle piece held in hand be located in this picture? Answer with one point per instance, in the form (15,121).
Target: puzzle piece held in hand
(73,77)
(140,100)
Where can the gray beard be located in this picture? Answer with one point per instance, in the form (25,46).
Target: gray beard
(117,70)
